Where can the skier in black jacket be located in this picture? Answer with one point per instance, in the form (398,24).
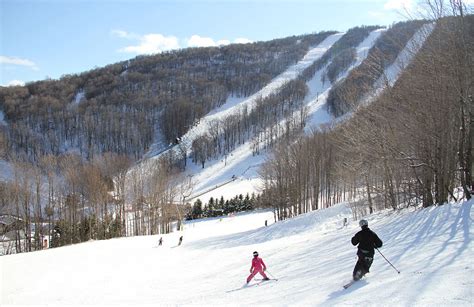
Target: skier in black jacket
(367,240)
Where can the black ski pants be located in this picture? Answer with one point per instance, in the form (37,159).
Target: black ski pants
(363,265)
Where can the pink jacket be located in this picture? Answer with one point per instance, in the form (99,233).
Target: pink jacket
(257,264)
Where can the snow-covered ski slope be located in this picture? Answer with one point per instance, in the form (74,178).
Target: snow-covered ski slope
(311,255)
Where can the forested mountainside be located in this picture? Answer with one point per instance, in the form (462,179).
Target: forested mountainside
(412,145)
(124,107)
(119,107)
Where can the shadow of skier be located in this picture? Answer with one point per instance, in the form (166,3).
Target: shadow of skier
(342,291)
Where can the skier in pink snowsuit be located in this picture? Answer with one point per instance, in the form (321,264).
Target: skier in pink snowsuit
(257,267)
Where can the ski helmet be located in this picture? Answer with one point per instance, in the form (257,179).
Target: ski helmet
(363,223)
(255,254)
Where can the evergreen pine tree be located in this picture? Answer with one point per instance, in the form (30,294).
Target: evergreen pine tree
(197,209)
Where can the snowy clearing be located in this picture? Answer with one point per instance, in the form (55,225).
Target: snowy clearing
(311,255)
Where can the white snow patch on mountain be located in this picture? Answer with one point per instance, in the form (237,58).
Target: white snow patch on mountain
(79,96)
(2,118)
(6,171)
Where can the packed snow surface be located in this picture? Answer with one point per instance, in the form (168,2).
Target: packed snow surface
(311,255)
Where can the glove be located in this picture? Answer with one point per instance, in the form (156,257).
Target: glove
(250,270)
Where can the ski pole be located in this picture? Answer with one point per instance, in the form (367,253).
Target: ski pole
(270,274)
(388,261)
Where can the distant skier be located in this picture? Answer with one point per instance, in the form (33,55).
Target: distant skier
(180,240)
(160,242)
(367,240)
(258,266)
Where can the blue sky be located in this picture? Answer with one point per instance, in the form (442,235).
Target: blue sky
(49,38)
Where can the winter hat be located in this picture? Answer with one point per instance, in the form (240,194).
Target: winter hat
(255,254)
(363,223)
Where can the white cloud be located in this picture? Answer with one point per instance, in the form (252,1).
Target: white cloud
(223,42)
(199,41)
(151,43)
(18,61)
(15,83)
(155,43)
(399,5)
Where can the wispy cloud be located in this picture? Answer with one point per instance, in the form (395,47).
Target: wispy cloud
(156,43)
(6,60)
(123,34)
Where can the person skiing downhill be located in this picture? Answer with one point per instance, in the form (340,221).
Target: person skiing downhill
(367,240)
(258,266)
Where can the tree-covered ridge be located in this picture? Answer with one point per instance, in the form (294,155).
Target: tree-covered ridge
(346,94)
(119,107)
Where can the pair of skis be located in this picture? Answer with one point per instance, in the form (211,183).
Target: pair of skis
(258,283)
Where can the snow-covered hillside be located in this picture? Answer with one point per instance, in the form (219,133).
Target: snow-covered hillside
(311,255)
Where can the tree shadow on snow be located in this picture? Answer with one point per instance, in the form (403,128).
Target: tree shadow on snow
(440,228)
